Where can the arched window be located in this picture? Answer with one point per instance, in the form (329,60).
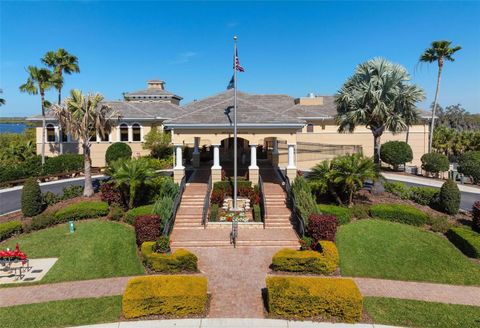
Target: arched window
(136,132)
(123,132)
(50,133)
(309,127)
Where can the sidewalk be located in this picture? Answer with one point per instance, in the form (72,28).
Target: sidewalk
(230,323)
(427,182)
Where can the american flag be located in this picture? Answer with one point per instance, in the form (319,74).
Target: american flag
(238,67)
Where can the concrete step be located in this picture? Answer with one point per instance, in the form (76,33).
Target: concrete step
(226,243)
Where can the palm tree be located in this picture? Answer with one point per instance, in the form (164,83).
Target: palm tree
(131,174)
(438,52)
(2,101)
(380,97)
(39,81)
(61,61)
(81,116)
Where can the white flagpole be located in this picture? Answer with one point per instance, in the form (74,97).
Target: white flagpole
(235,122)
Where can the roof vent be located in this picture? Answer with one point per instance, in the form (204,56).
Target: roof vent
(156,84)
(310,100)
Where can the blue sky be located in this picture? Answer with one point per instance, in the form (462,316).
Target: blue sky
(285,47)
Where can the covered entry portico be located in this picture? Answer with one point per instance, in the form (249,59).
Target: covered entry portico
(220,143)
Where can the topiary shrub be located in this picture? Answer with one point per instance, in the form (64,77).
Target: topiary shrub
(449,198)
(116,151)
(177,296)
(10,228)
(469,164)
(466,240)
(397,188)
(322,262)
(343,214)
(179,261)
(137,211)
(424,195)
(476,216)
(435,162)
(82,210)
(312,297)
(396,153)
(399,213)
(322,227)
(147,228)
(32,203)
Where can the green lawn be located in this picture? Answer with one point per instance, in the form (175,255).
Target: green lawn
(62,313)
(97,249)
(390,311)
(382,249)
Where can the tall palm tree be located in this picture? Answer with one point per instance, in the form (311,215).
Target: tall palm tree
(81,116)
(439,51)
(61,61)
(380,97)
(39,81)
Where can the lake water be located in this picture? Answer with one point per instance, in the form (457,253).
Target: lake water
(12,127)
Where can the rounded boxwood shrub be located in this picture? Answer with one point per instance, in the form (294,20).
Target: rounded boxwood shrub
(396,153)
(32,203)
(399,213)
(435,162)
(82,210)
(449,198)
(469,164)
(118,150)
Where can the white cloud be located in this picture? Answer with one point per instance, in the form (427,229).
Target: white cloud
(184,57)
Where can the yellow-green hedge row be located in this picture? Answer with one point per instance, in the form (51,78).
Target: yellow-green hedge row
(307,297)
(179,261)
(177,296)
(324,262)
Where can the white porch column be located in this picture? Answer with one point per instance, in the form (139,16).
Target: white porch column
(196,152)
(291,168)
(179,169)
(253,168)
(216,168)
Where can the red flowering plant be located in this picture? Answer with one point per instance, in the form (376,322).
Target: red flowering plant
(13,255)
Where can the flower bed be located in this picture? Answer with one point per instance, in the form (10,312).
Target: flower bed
(233,216)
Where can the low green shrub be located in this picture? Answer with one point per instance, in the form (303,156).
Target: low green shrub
(439,223)
(361,211)
(41,221)
(466,240)
(257,213)
(312,297)
(449,198)
(399,213)
(179,261)
(162,245)
(177,296)
(63,163)
(397,188)
(227,186)
(32,203)
(116,213)
(343,214)
(137,211)
(424,195)
(31,167)
(49,198)
(10,228)
(307,261)
(213,213)
(72,192)
(435,162)
(83,210)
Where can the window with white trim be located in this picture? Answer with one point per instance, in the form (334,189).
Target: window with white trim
(123,132)
(50,133)
(136,132)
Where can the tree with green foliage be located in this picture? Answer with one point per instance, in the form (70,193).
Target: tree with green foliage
(81,116)
(39,81)
(438,52)
(449,198)
(469,164)
(131,174)
(435,162)
(304,200)
(158,142)
(396,153)
(380,97)
(31,198)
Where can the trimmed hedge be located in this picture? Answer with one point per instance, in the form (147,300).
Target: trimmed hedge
(32,203)
(83,210)
(309,297)
(322,227)
(116,151)
(435,162)
(177,296)
(324,262)
(8,229)
(132,214)
(397,188)
(449,197)
(399,213)
(466,240)
(424,195)
(147,228)
(343,214)
(63,163)
(179,261)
